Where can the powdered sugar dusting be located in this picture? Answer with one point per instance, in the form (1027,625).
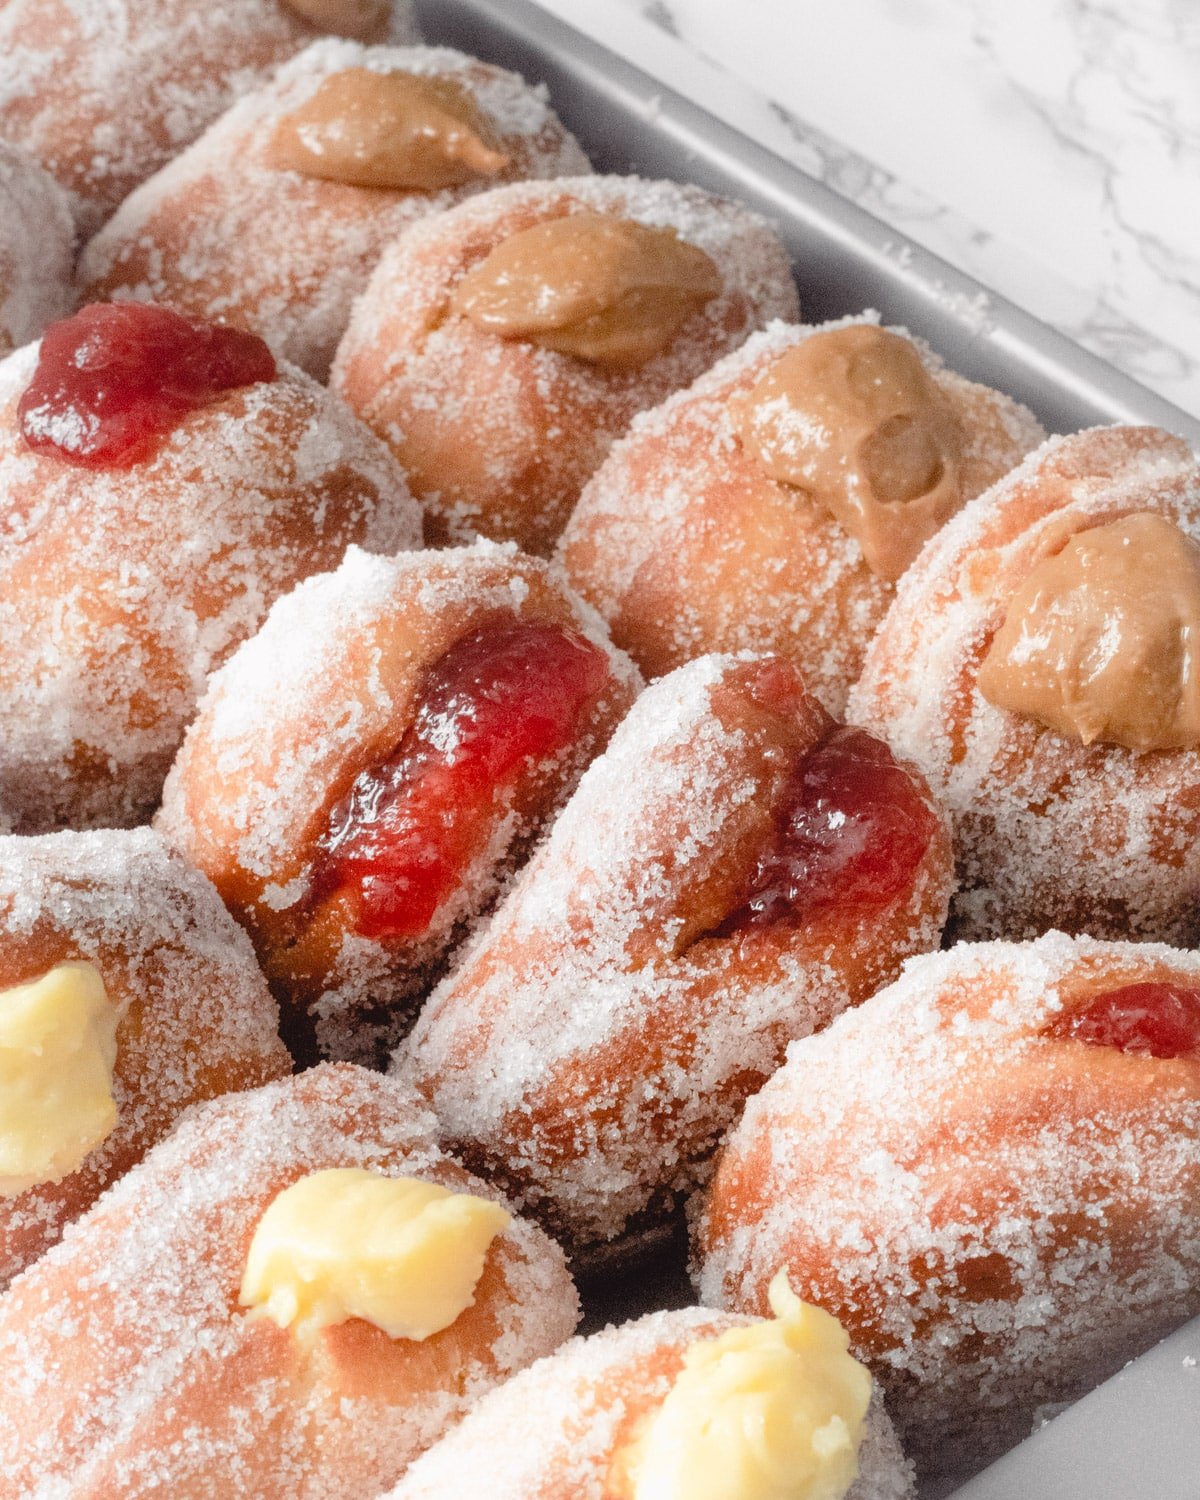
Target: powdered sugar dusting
(685,545)
(1001,1217)
(133,1371)
(104,92)
(595,1041)
(197,1016)
(1048,831)
(587,1399)
(121,589)
(203,234)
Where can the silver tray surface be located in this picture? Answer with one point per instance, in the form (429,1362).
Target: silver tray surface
(1137,1437)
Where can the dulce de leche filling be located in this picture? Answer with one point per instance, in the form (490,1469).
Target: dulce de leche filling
(388,130)
(607,290)
(362,20)
(1100,641)
(853,418)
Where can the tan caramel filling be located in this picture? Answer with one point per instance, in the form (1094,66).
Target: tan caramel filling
(609,291)
(853,418)
(363,20)
(1100,641)
(388,130)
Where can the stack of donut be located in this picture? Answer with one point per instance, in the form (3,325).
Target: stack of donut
(516,753)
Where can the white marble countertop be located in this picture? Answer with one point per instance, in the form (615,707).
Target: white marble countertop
(1050,148)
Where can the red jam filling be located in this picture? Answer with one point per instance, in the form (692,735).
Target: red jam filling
(501,700)
(850,834)
(112,379)
(1157,1020)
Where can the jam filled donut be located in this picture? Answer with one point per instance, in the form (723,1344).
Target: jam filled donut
(685,1405)
(288,1299)
(104,92)
(347,146)
(773,505)
(735,870)
(126,993)
(990,1173)
(1039,665)
(366,770)
(37,249)
(501,347)
(161,483)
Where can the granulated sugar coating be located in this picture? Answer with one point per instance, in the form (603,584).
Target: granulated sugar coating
(327,690)
(499,436)
(121,589)
(104,92)
(600,1034)
(130,1369)
(1048,832)
(37,249)
(684,543)
(553,1431)
(204,234)
(999,1215)
(196,1017)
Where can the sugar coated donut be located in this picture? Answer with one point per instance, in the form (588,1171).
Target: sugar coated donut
(37,249)
(290,1297)
(501,347)
(735,870)
(772,504)
(684,1405)
(161,483)
(1038,665)
(308,150)
(990,1173)
(104,92)
(365,771)
(126,993)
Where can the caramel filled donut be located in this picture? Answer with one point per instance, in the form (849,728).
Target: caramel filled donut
(150,1366)
(990,1173)
(346,146)
(104,92)
(37,249)
(772,505)
(161,483)
(1036,665)
(599,1403)
(365,772)
(501,347)
(126,994)
(735,870)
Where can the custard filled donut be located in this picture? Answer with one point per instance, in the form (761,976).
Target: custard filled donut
(161,483)
(990,1173)
(685,1405)
(126,993)
(732,873)
(773,504)
(288,1299)
(37,249)
(346,146)
(365,772)
(1039,664)
(104,92)
(501,347)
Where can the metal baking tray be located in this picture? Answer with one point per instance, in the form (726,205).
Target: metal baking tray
(1137,1437)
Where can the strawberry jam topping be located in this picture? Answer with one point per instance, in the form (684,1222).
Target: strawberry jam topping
(1155,1019)
(501,700)
(850,834)
(112,380)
